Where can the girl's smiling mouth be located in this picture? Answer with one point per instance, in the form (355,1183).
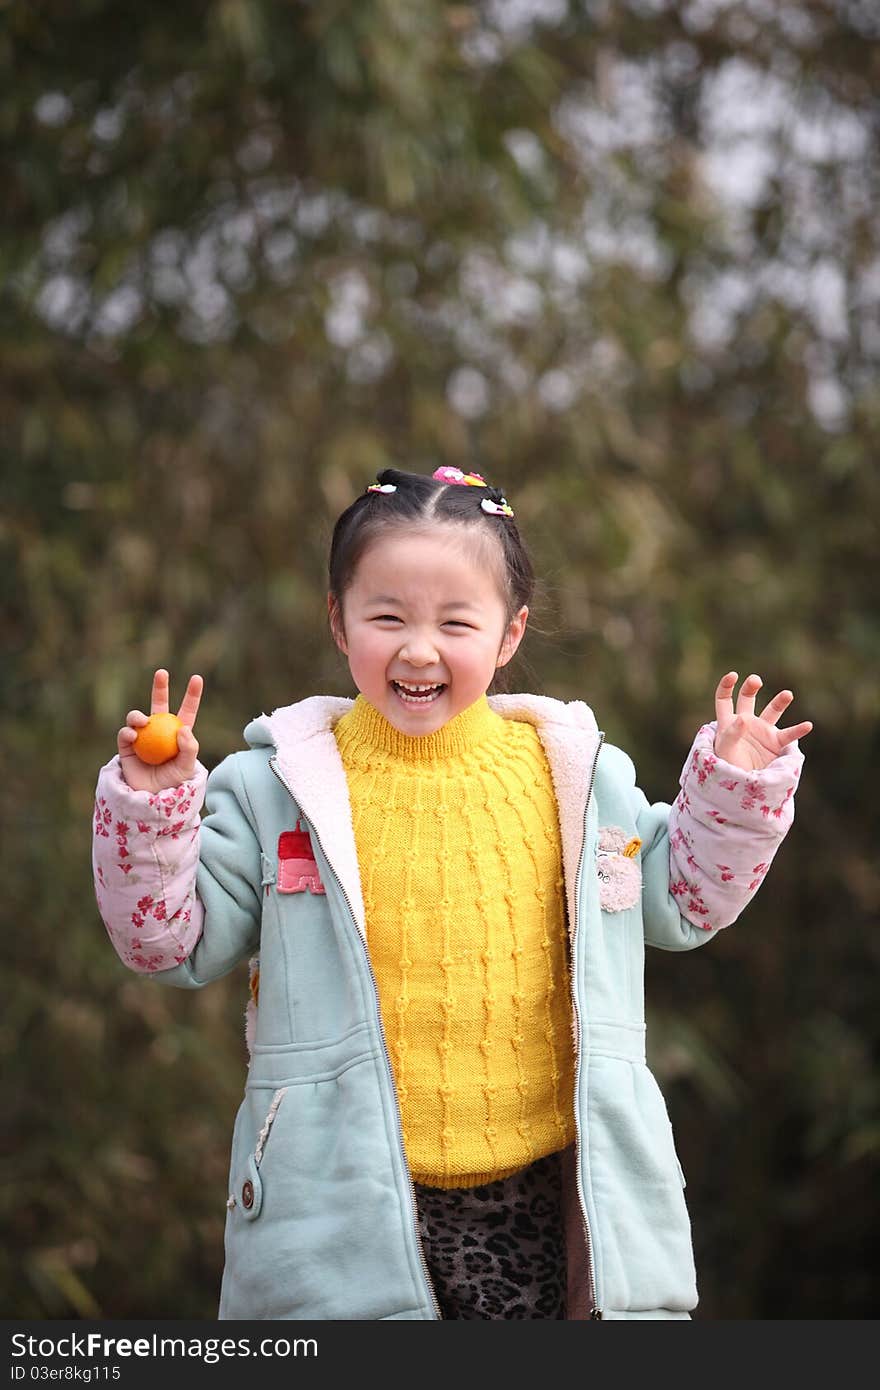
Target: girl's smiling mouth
(412,694)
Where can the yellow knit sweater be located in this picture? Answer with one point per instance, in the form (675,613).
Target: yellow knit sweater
(458,844)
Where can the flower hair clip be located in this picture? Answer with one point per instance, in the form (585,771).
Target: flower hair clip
(455,475)
(382,487)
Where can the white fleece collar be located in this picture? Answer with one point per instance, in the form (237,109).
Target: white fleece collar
(309,761)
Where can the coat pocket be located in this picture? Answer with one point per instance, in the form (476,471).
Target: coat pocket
(329,1231)
(641,1229)
(249,1196)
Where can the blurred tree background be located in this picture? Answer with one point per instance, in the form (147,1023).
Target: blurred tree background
(624,260)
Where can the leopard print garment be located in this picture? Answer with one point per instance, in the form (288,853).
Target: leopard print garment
(497,1251)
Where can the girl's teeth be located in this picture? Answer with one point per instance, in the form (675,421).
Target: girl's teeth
(417,694)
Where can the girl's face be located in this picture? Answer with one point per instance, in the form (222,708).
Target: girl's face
(424,626)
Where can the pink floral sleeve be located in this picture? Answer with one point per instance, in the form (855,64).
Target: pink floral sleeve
(145,853)
(724,829)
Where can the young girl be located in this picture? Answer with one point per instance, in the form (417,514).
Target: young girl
(445,899)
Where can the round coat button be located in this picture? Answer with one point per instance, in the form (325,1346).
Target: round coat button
(247,1194)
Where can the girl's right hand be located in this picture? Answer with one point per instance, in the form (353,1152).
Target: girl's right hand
(144,777)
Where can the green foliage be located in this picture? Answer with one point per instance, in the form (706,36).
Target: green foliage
(621,259)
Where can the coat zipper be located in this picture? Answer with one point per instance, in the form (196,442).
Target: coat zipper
(595,1312)
(386,1058)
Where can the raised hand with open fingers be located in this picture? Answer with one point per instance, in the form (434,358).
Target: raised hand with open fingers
(744,738)
(142,776)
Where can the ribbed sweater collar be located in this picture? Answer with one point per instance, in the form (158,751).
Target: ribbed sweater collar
(364,730)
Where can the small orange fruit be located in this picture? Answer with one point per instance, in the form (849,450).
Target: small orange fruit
(157,740)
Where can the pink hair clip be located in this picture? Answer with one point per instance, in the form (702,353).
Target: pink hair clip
(455,475)
(382,487)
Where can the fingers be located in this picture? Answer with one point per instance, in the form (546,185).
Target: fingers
(776,707)
(159,693)
(188,750)
(787,736)
(134,720)
(124,740)
(745,703)
(724,700)
(772,712)
(726,716)
(189,705)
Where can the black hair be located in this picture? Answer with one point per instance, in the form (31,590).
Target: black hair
(419,499)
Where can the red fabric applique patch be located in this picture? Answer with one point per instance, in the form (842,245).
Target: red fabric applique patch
(297,870)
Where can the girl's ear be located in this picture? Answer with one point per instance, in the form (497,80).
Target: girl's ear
(334,612)
(513,636)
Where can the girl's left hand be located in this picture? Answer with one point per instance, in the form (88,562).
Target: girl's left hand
(746,739)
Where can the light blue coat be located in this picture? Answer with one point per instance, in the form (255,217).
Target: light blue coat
(321,1219)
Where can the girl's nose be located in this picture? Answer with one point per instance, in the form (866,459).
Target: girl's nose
(418,650)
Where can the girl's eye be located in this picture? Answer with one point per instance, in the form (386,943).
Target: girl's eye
(456,622)
(386,618)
